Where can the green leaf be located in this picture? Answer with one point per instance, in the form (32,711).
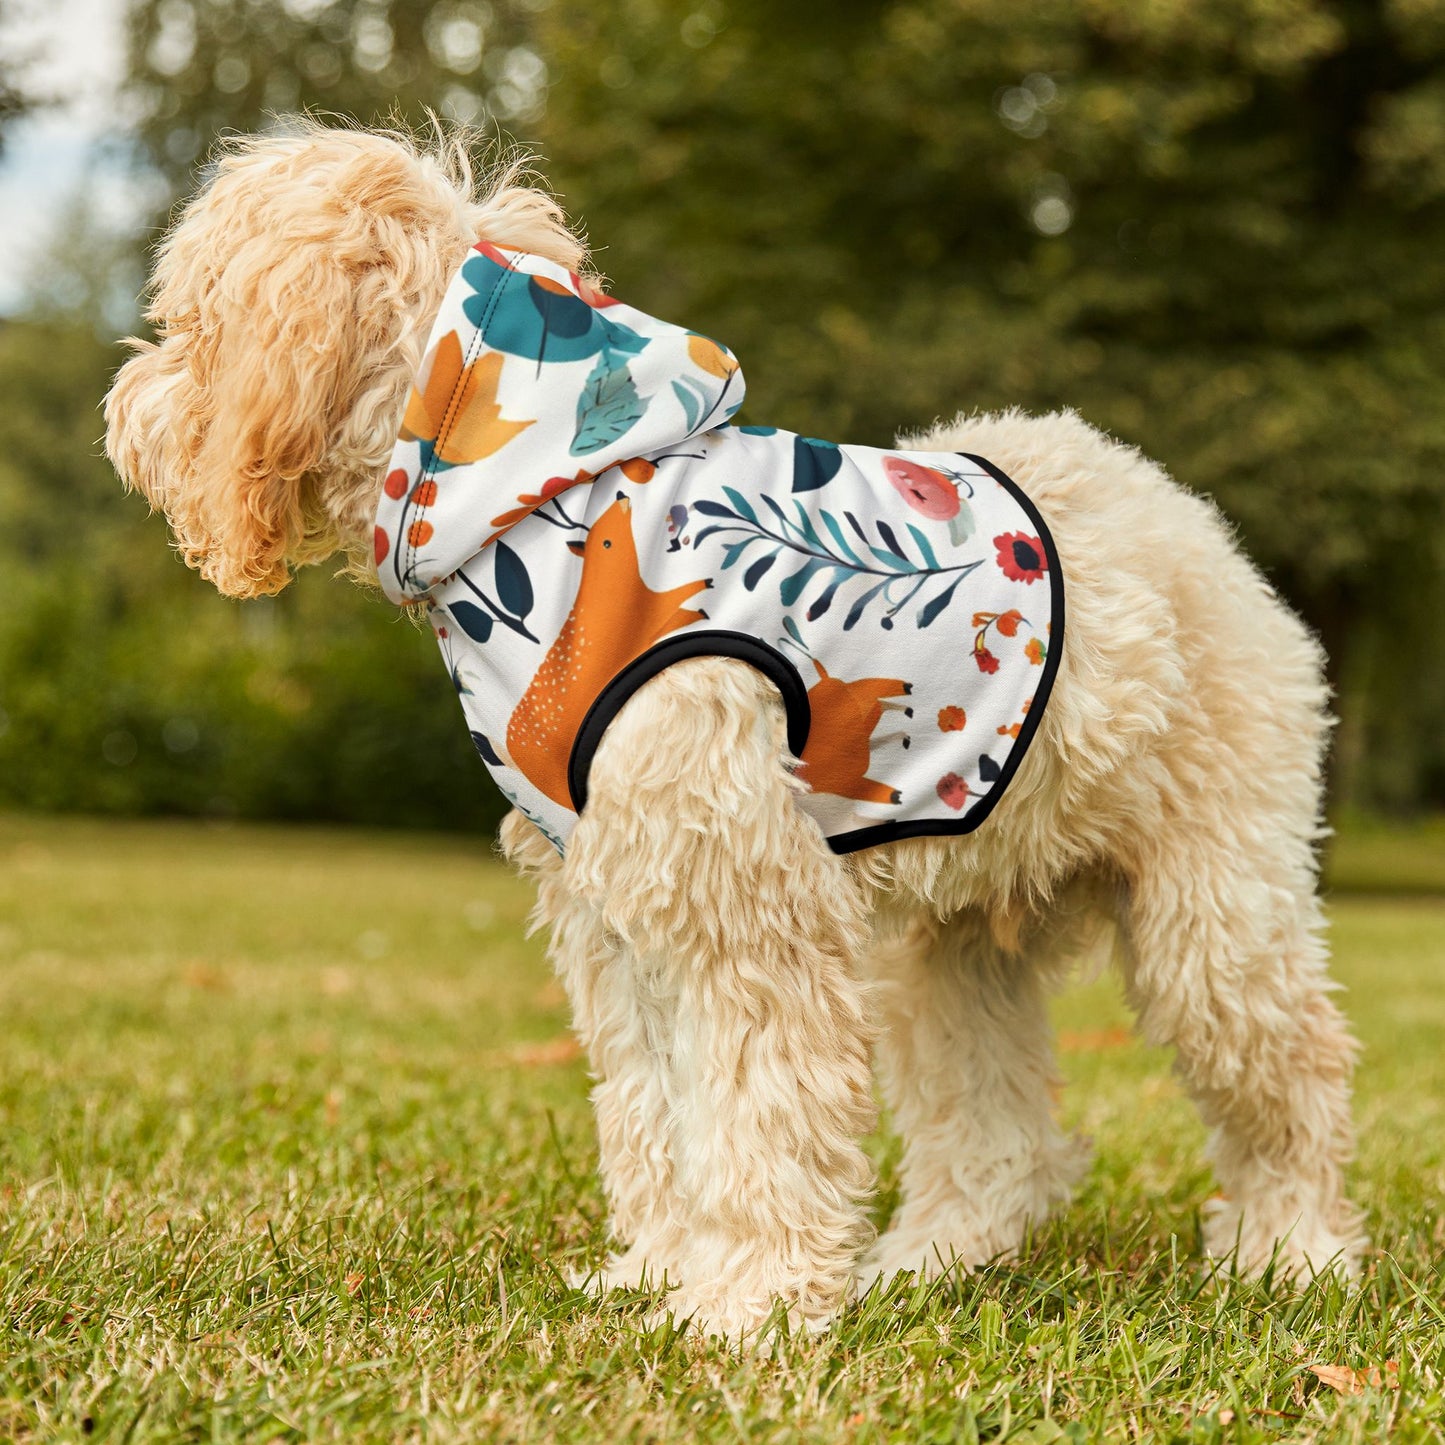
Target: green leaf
(608,408)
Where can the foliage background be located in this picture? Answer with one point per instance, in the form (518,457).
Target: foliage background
(1215,227)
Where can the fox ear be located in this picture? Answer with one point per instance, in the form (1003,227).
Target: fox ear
(577,548)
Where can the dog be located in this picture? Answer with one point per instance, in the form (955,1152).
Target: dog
(732,977)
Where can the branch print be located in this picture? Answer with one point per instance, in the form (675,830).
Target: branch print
(845,555)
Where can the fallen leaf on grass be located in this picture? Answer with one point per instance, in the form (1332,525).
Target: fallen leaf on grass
(551,995)
(354,1283)
(1347,1381)
(202,975)
(1100,1039)
(533,1056)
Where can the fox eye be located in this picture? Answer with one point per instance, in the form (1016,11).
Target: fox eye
(607,542)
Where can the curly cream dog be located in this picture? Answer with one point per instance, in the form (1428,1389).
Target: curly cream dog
(730,976)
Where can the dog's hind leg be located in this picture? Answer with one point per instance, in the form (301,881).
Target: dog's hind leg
(743,930)
(1225,961)
(966,1059)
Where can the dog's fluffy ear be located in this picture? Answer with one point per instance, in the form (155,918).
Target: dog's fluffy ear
(221,421)
(291,302)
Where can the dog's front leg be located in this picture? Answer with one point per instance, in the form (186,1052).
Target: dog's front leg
(742,929)
(623,1022)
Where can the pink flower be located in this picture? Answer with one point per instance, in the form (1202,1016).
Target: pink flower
(924,489)
(953,791)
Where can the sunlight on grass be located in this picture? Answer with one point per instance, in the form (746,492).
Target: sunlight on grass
(292,1144)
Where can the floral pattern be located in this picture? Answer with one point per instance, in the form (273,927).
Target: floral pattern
(568,492)
(1021,557)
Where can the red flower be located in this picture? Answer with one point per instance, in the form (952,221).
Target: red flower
(1021,556)
(380,545)
(987,662)
(395,486)
(952,719)
(953,790)
(924,489)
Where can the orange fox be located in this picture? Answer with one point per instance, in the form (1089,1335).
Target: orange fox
(835,758)
(616,617)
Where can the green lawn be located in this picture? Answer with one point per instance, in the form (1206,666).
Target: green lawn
(292,1146)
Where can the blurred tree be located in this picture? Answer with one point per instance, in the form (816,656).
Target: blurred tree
(1216,229)
(127,685)
(202,67)
(15,99)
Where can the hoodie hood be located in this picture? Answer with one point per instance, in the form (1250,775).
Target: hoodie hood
(533,382)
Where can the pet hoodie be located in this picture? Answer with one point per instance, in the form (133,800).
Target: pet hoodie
(571,500)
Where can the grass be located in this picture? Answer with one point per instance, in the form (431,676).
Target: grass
(292,1146)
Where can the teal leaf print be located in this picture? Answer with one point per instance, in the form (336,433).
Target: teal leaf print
(472,620)
(890,540)
(757,569)
(514,587)
(928,555)
(805,523)
(536,317)
(608,408)
(741,503)
(734,550)
(815,463)
(564,316)
(790,588)
(694,401)
(824,599)
(708,508)
(859,607)
(927,613)
(831,523)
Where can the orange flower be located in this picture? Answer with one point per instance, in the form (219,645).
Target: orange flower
(952,719)
(424,493)
(1036,651)
(478,427)
(1008,622)
(419,533)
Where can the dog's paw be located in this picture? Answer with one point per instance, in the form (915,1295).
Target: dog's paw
(753,1324)
(1298,1244)
(899,1253)
(632,1270)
